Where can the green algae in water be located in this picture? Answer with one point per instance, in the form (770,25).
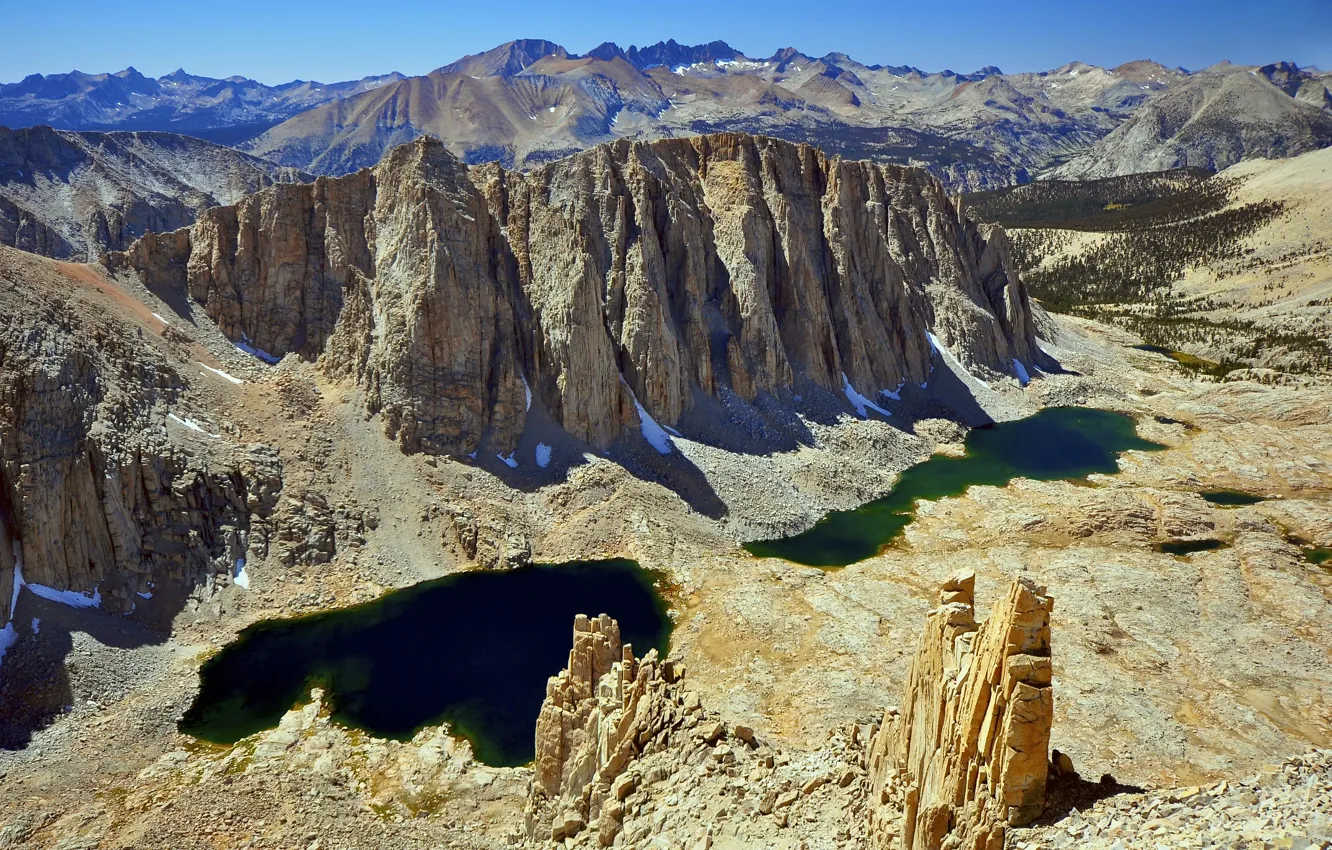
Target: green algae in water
(1231,498)
(1320,555)
(1057,443)
(473,649)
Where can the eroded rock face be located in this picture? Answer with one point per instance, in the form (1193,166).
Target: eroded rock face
(717,266)
(600,713)
(968,752)
(74,195)
(92,491)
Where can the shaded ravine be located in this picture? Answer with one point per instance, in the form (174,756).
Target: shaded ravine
(473,650)
(1055,444)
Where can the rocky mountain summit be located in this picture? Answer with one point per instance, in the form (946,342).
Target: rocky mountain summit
(529,101)
(227,109)
(526,102)
(677,282)
(76,195)
(1214,119)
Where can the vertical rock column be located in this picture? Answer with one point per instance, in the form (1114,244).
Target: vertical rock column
(600,713)
(967,754)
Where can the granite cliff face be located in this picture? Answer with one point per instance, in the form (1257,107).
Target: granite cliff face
(95,496)
(633,280)
(966,756)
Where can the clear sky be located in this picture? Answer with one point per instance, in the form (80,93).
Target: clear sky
(275,41)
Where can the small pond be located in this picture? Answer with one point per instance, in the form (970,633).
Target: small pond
(1231,498)
(1188,547)
(1056,444)
(473,649)
(1320,555)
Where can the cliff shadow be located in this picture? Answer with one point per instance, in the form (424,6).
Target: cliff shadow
(51,666)
(1066,792)
(546,454)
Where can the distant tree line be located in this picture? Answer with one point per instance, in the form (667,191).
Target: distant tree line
(1151,231)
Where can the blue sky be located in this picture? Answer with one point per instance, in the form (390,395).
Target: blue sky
(339,39)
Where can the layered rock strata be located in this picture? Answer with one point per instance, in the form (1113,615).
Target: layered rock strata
(967,754)
(633,280)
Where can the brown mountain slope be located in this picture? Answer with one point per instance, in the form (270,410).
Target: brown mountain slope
(973,131)
(1212,120)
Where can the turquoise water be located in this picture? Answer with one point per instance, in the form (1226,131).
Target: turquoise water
(474,649)
(1055,444)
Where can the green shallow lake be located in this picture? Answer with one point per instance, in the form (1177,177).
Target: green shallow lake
(1057,443)
(474,649)
(1231,498)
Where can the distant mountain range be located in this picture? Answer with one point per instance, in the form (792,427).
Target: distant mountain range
(529,101)
(225,111)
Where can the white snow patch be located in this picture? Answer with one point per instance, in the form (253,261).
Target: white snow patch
(1023,377)
(221,374)
(652,432)
(240,578)
(946,354)
(244,345)
(36,625)
(18,573)
(895,395)
(552,109)
(510,461)
(858,401)
(192,425)
(8,636)
(145,594)
(542,455)
(528,392)
(160,318)
(72,598)
(672,431)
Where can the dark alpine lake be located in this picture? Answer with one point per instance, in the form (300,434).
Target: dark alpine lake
(1055,444)
(473,649)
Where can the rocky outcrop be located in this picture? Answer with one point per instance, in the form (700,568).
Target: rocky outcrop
(967,754)
(659,275)
(94,495)
(600,713)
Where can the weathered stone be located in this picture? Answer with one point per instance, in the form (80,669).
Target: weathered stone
(600,713)
(649,274)
(967,755)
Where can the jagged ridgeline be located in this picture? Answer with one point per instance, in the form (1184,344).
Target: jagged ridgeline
(670,279)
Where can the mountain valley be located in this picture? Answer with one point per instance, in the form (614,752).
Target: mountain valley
(900,460)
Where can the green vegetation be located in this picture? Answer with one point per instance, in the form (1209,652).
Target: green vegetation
(1151,230)
(1094,205)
